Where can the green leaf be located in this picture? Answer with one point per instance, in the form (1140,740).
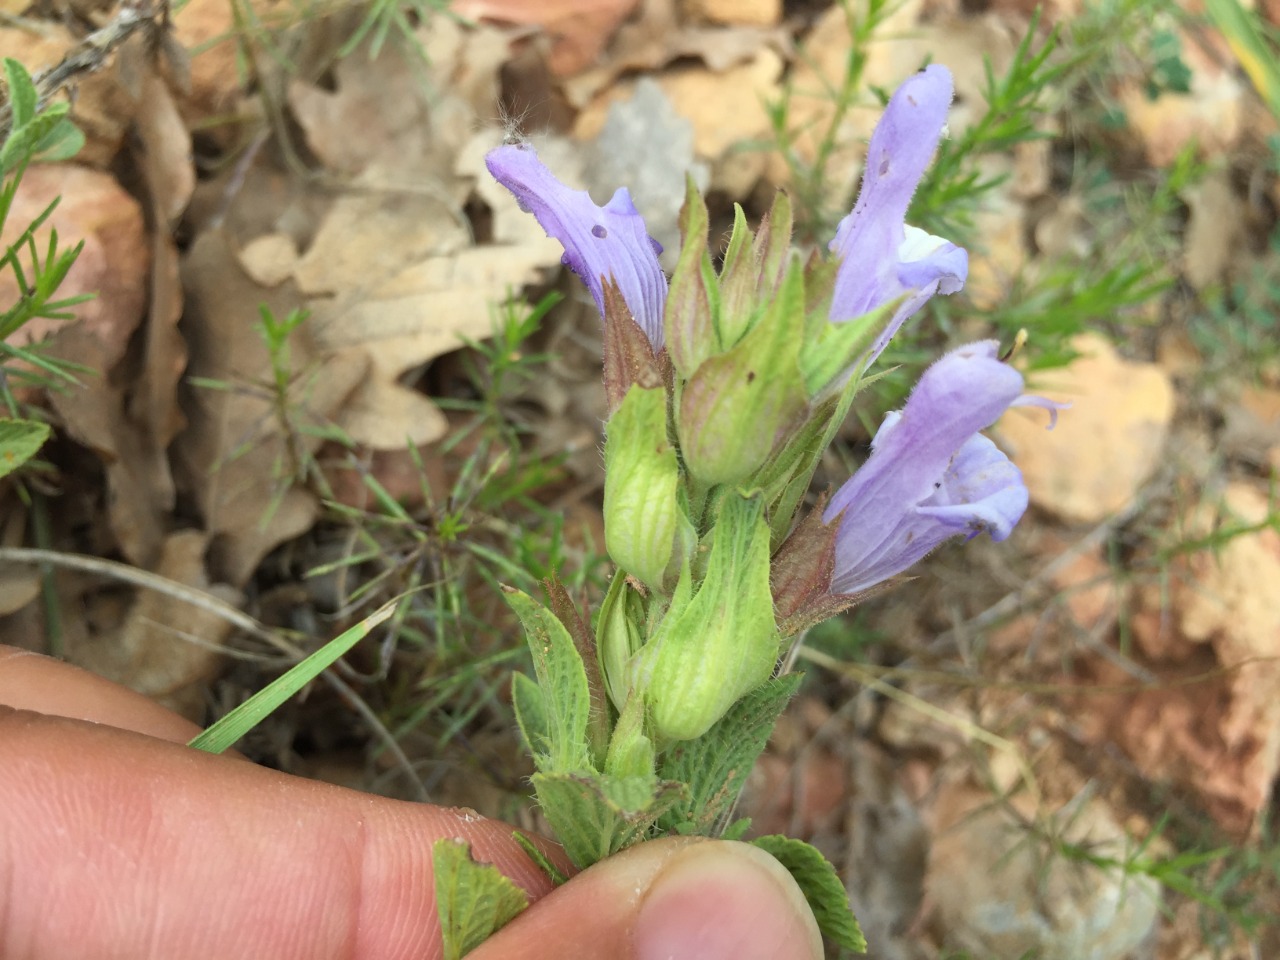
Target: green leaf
(534,853)
(531,715)
(22,93)
(474,900)
(716,765)
(820,885)
(63,142)
(262,704)
(1247,40)
(20,440)
(563,679)
(594,815)
(834,352)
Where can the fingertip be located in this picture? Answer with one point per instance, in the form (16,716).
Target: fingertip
(31,681)
(676,897)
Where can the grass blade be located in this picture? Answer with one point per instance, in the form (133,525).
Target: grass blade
(226,731)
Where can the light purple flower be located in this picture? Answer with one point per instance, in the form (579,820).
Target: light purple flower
(881,257)
(931,476)
(600,243)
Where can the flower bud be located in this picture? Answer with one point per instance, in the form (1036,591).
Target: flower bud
(736,405)
(642,474)
(618,637)
(718,642)
(692,300)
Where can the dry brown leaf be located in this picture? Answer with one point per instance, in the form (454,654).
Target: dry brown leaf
(407,141)
(166,648)
(169,175)
(113,264)
(656,37)
(579,29)
(234,459)
(389,269)
(207,29)
(1210,114)
(94,415)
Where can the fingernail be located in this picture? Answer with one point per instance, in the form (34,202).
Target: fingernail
(724,900)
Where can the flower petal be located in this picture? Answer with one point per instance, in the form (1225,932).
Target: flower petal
(930,476)
(881,257)
(599,242)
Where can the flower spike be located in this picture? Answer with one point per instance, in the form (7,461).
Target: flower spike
(600,243)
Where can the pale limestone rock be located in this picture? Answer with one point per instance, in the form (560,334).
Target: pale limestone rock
(1106,446)
(997,889)
(1233,607)
(725,107)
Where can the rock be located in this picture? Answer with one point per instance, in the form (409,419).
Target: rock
(1252,431)
(998,889)
(725,107)
(648,147)
(1105,446)
(1230,608)
(1215,230)
(1212,630)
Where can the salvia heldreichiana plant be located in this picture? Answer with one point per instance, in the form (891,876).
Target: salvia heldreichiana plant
(724,389)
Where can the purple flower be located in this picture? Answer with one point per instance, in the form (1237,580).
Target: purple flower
(881,257)
(600,243)
(931,476)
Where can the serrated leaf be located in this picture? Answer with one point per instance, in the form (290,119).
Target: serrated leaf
(63,142)
(20,440)
(534,853)
(563,681)
(22,93)
(821,887)
(716,765)
(531,715)
(594,815)
(474,900)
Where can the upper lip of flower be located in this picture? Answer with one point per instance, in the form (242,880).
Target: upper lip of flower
(600,243)
(882,257)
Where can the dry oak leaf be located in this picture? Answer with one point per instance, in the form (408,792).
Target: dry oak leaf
(235,459)
(408,140)
(166,648)
(580,29)
(113,266)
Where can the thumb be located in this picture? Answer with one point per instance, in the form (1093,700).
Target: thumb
(681,897)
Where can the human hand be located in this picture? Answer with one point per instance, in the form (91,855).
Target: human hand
(116,840)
